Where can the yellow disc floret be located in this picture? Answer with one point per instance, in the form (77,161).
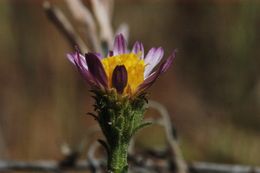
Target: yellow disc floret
(134,66)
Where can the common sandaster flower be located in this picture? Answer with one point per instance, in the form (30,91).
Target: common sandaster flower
(129,72)
(118,82)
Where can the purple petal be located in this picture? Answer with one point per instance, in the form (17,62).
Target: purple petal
(149,81)
(71,57)
(76,57)
(152,58)
(96,69)
(98,55)
(87,76)
(152,78)
(168,62)
(120,46)
(119,78)
(79,61)
(137,48)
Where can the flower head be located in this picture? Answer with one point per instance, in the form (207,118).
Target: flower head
(129,72)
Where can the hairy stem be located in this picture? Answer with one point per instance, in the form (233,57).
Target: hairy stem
(118,159)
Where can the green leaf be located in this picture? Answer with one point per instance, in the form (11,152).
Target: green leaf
(141,126)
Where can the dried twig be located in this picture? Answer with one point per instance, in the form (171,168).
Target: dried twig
(204,167)
(43,166)
(176,154)
(64,26)
(53,166)
(94,162)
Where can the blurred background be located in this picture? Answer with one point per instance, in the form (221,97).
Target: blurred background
(212,91)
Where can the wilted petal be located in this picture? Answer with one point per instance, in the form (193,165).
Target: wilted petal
(96,69)
(120,46)
(137,48)
(152,58)
(152,78)
(119,78)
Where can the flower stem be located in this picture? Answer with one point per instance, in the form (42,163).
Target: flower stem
(119,117)
(118,159)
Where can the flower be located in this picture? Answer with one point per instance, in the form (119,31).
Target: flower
(129,72)
(119,81)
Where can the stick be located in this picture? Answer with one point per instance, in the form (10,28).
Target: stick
(56,16)
(53,166)
(176,154)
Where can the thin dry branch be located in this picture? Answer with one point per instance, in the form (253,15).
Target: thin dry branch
(42,166)
(204,167)
(176,154)
(56,16)
(53,166)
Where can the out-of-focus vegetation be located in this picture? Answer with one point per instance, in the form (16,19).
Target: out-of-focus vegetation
(212,91)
